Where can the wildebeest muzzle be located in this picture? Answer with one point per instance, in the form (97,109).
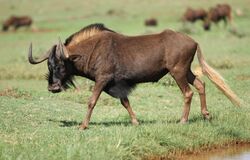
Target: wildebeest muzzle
(55,87)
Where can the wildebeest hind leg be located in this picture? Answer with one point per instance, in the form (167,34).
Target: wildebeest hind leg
(125,103)
(182,82)
(200,87)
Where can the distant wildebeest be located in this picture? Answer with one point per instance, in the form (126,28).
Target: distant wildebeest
(218,13)
(117,63)
(151,22)
(192,15)
(111,12)
(16,22)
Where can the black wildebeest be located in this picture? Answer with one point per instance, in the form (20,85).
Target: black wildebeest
(16,22)
(192,15)
(218,13)
(151,22)
(117,63)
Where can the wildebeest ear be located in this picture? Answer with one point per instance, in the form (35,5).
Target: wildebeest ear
(64,53)
(74,57)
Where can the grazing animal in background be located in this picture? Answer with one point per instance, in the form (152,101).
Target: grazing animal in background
(192,15)
(151,22)
(111,12)
(16,22)
(218,13)
(117,63)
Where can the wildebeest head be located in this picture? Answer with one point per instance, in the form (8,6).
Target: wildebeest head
(150,22)
(207,25)
(60,68)
(5,27)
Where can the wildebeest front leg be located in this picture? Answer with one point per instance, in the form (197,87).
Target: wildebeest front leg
(125,103)
(225,21)
(92,102)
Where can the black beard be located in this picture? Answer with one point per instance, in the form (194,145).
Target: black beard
(67,82)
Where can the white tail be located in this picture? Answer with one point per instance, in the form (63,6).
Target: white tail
(217,79)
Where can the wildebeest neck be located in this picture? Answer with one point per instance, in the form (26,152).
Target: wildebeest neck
(81,56)
(82,46)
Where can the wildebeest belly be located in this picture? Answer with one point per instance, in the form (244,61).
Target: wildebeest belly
(119,89)
(122,88)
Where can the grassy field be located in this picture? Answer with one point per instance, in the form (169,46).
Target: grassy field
(36,124)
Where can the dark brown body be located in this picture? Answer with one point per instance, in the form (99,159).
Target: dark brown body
(123,63)
(192,15)
(16,22)
(117,63)
(217,14)
(151,22)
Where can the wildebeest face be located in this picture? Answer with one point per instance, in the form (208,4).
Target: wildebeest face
(57,73)
(60,74)
(206,25)
(5,28)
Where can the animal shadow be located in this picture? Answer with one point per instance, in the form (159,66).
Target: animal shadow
(193,119)
(199,118)
(67,123)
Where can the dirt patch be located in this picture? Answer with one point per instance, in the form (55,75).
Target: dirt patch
(195,154)
(243,77)
(15,93)
(41,30)
(31,30)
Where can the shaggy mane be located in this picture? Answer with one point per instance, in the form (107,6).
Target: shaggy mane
(85,33)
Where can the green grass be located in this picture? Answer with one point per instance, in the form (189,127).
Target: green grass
(36,124)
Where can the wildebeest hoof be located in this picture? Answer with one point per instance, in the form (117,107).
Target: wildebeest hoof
(82,127)
(77,90)
(207,117)
(183,121)
(135,122)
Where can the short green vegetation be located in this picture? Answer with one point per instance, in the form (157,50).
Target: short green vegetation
(36,124)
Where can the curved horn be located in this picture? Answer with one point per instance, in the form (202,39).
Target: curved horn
(63,50)
(43,58)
